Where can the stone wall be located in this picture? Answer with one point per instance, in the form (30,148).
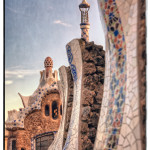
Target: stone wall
(142,66)
(92,92)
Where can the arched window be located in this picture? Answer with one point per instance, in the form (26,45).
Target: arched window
(22,149)
(47,110)
(61,109)
(54,110)
(43,141)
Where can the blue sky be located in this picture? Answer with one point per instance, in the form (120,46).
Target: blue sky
(35,29)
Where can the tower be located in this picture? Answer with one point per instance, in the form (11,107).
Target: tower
(48,64)
(85,26)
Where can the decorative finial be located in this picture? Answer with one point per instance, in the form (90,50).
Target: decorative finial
(48,64)
(85,26)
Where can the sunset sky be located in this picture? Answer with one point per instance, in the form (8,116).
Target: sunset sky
(35,29)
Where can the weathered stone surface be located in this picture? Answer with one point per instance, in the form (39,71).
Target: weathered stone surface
(89,82)
(89,46)
(92,133)
(87,57)
(99,61)
(89,68)
(92,92)
(88,97)
(98,98)
(142,66)
(84,128)
(100,69)
(85,114)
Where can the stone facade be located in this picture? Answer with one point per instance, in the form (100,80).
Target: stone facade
(37,123)
(40,118)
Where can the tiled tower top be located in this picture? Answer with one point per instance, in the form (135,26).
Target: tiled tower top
(85,26)
(48,83)
(48,62)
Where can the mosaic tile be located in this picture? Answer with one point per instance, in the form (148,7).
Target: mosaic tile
(128,19)
(72,137)
(117,49)
(126,143)
(57,144)
(131,138)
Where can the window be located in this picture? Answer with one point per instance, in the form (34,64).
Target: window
(43,141)
(54,110)
(14,145)
(46,110)
(22,149)
(61,109)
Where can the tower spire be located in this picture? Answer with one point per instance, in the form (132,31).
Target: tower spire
(48,64)
(85,26)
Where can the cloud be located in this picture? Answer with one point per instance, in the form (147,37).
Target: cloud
(62,23)
(8,82)
(20,76)
(20,73)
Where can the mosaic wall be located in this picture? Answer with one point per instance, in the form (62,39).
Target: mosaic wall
(16,120)
(75,59)
(69,104)
(58,141)
(119,124)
